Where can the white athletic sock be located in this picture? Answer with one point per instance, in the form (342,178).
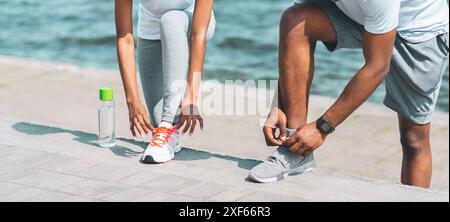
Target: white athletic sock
(165,124)
(290,132)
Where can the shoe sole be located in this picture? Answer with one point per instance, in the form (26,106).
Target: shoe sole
(283,176)
(159,159)
(178,148)
(152,159)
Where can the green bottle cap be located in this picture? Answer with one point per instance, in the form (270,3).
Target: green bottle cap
(106,94)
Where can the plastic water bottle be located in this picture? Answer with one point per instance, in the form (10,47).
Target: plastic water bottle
(106,119)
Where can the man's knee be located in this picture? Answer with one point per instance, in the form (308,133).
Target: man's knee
(293,20)
(415,142)
(307,20)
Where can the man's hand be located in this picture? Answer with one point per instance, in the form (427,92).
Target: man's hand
(276,119)
(305,140)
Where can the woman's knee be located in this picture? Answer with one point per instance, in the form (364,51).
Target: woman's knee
(175,19)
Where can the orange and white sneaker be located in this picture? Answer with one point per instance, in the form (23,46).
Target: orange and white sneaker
(165,143)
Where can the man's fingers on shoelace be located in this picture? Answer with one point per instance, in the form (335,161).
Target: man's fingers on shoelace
(291,141)
(270,137)
(296,147)
(306,153)
(303,151)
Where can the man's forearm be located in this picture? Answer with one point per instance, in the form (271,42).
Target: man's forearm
(357,91)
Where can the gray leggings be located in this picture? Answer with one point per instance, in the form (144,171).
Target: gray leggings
(163,65)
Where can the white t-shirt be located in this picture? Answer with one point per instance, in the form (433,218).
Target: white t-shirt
(415,20)
(150,12)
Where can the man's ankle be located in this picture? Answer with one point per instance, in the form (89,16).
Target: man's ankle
(290,132)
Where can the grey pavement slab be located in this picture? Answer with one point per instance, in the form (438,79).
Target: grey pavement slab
(75,170)
(154,196)
(232,194)
(128,194)
(94,189)
(22,194)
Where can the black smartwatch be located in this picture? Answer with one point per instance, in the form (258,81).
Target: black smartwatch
(324,126)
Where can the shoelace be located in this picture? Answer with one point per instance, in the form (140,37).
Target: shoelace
(161,136)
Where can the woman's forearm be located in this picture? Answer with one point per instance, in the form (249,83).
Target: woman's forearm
(196,61)
(200,24)
(127,65)
(125,48)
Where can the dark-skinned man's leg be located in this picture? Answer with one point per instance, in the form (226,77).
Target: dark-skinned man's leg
(417,161)
(301,27)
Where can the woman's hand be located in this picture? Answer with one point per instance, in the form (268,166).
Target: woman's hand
(189,115)
(139,119)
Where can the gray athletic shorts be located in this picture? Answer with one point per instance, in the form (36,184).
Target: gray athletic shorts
(416,72)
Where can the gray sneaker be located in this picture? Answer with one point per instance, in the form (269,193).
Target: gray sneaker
(281,164)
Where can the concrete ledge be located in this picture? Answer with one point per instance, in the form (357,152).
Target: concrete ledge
(47,163)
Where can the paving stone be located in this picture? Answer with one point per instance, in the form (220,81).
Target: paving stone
(21,172)
(78,199)
(127,195)
(107,172)
(182,198)
(49,196)
(9,168)
(22,194)
(139,178)
(153,196)
(5,151)
(46,179)
(28,157)
(92,188)
(206,190)
(172,184)
(262,196)
(8,188)
(77,165)
(44,156)
(231,195)
(285,198)
(55,163)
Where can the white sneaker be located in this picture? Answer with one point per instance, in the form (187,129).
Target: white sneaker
(165,143)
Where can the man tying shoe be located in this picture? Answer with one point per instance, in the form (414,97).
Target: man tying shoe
(404,42)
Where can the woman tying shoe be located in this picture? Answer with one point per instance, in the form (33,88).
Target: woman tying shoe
(171,46)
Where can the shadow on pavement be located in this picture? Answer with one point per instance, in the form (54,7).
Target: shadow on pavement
(187,154)
(82,137)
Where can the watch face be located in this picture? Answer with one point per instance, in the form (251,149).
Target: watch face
(325,127)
